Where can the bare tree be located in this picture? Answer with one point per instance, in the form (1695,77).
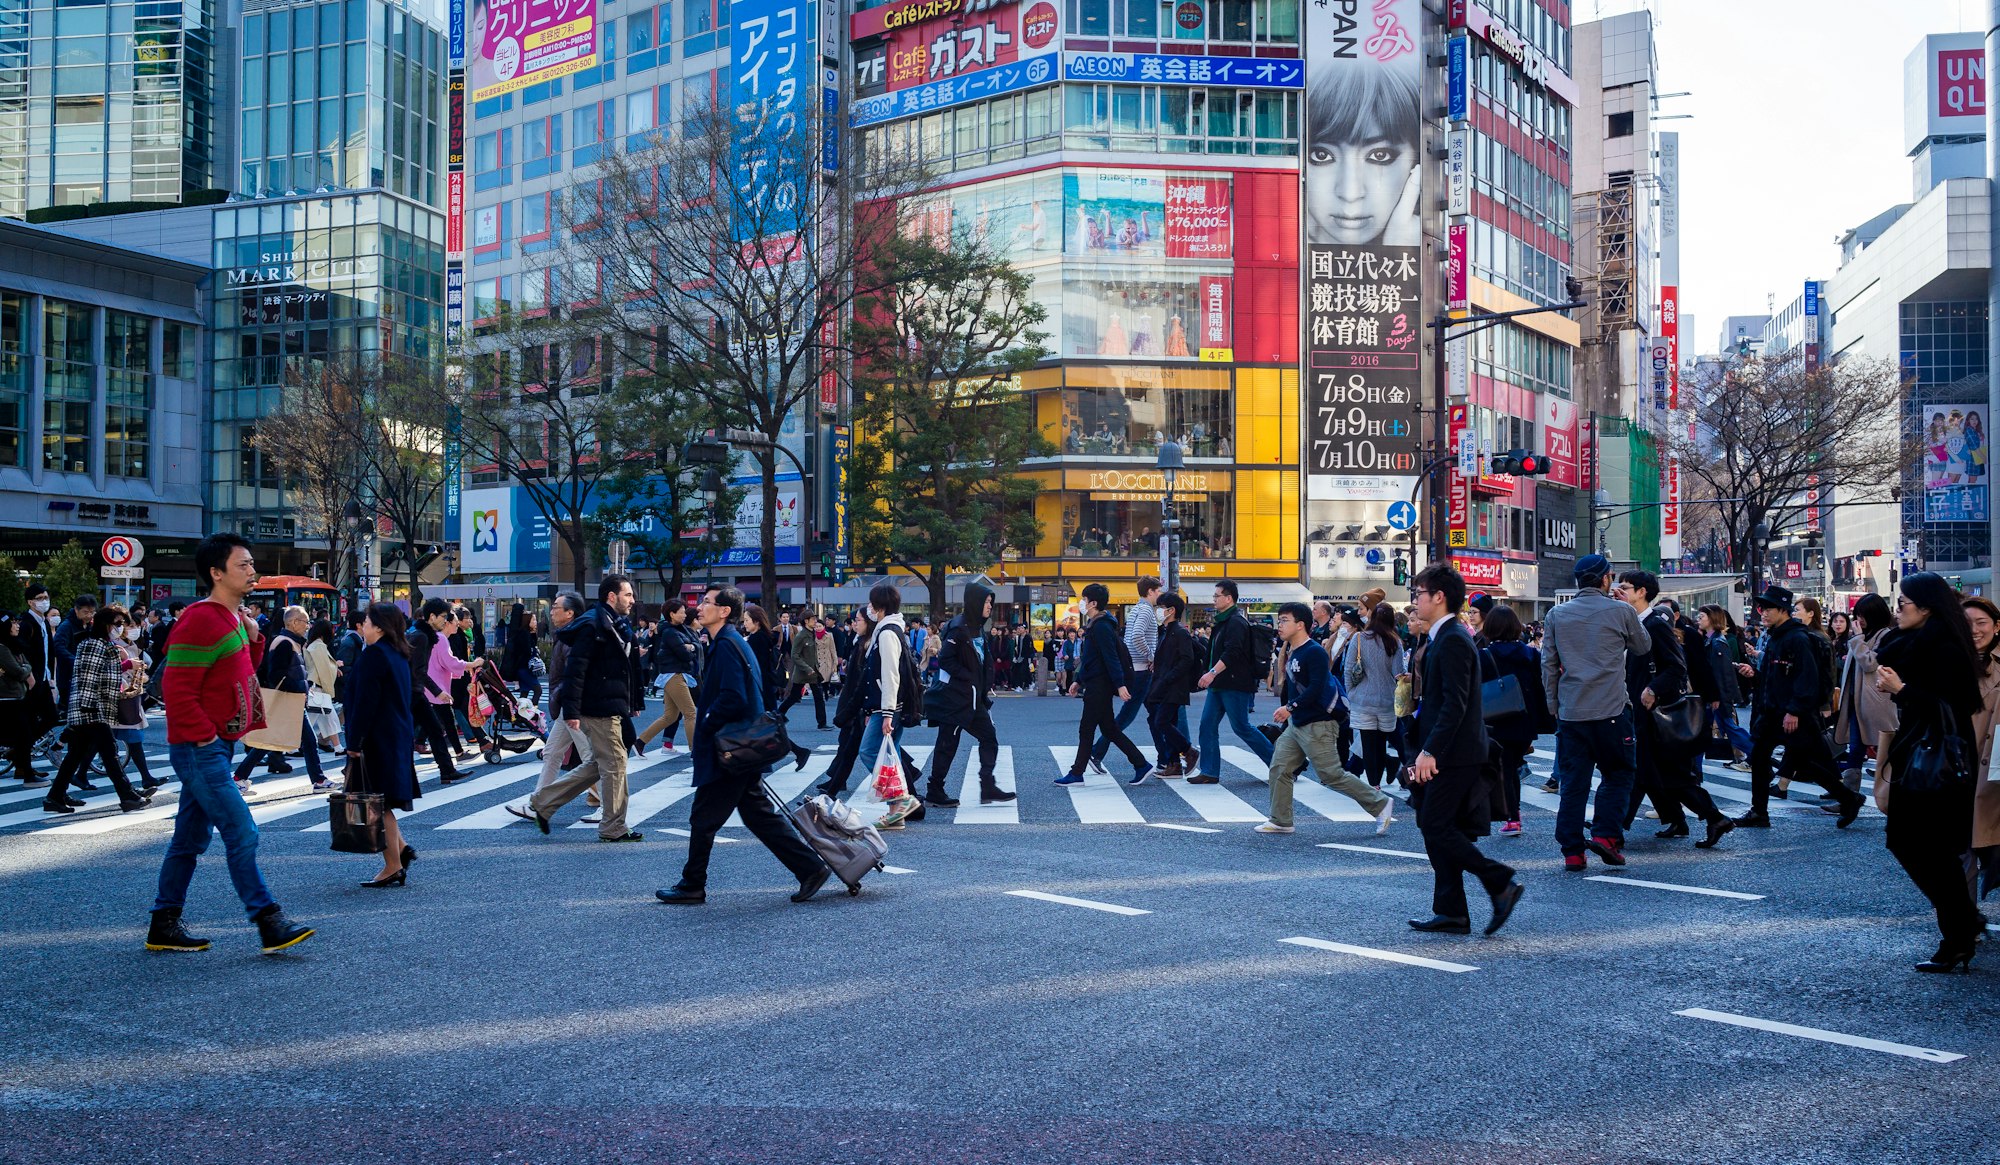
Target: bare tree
(1764,430)
(308,439)
(945,427)
(733,261)
(403,436)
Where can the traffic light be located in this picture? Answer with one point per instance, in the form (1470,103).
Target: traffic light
(1520,463)
(1400,571)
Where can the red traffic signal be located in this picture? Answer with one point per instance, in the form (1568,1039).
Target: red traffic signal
(1520,463)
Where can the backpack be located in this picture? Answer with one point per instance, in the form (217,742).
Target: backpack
(910,686)
(1263,637)
(1823,657)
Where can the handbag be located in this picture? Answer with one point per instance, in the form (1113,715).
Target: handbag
(1938,760)
(284,713)
(1502,697)
(357,819)
(1682,722)
(757,742)
(1406,696)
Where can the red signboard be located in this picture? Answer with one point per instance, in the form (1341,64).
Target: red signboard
(1670,333)
(1457,268)
(940,49)
(1480,572)
(1215,317)
(454,213)
(1670,514)
(1961,83)
(1201,222)
(1559,440)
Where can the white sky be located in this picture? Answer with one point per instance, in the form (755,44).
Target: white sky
(1797,134)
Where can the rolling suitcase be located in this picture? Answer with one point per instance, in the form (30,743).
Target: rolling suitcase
(838,835)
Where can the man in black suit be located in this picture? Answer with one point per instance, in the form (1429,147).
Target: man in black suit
(1666,772)
(1449,783)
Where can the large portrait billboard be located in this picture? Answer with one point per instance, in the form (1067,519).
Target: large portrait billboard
(1955,455)
(513,44)
(1361,215)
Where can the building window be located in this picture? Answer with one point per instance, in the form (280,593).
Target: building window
(13,380)
(70,378)
(1620,125)
(1118,524)
(1130,422)
(128,392)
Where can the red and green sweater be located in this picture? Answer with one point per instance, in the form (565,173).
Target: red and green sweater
(210,679)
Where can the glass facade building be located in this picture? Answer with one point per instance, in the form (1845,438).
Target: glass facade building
(106,102)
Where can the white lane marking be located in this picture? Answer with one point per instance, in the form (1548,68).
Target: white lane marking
(1823,1035)
(719,838)
(37,814)
(1736,894)
(261,813)
(1376,849)
(1182,828)
(459,791)
(651,792)
(970,811)
(1385,956)
(896,870)
(1087,904)
(289,787)
(1213,802)
(1099,800)
(1306,790)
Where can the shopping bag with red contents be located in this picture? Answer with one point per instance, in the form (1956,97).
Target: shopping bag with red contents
(891,788)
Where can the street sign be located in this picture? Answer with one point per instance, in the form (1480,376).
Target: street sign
(620,551)
(1402,516)
(126,572)
(122,550)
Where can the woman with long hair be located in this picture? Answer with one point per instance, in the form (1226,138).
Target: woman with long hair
(96,685)
(323,673)
(1725,648)
(431,671)
(1930,667)
(1866,712)
(381,733)
(1374,659)
(764,647)
(517,658)
(1515,733)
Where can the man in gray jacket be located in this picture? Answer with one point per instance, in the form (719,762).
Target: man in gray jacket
(1584,645)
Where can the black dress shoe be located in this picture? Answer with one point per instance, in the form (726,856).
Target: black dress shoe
(1754,821)
(1678,829)
(1503,905)
(1850,809)
(941,799)
(1716,830)
(57,807)
(810,884)
(996,797)
(679,895)
(1440,924)
(75,802)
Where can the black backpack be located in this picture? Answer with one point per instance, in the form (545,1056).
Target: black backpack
(1823,657)
(910,688)
(1263,638)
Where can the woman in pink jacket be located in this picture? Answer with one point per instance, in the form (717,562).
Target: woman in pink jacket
(439,667)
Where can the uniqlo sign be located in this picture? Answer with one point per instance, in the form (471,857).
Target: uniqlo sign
(1961,83)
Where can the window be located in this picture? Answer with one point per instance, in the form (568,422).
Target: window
(128,392)
(1090,17)
(1620,125)
(1129,422)
(534,218)
(70,377)
(13,379)
(1121,524)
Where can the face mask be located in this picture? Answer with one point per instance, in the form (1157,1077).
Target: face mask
(40,606)
(132,633)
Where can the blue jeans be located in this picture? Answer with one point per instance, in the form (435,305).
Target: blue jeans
(871,748)
(1856,755)
(1237,706)
(1583,745)
(1739,736)
(210,803)
(1136,684)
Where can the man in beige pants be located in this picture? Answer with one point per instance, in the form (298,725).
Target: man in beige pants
(555,749)
(595,696)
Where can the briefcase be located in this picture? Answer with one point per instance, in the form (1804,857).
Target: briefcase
(357,818)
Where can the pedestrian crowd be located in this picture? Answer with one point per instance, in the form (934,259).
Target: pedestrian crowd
(1444,698)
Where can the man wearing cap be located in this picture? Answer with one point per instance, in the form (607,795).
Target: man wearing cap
(1790,689)
(1584,648)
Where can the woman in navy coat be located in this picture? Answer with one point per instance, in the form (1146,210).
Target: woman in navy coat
(381,733)
(1515,733)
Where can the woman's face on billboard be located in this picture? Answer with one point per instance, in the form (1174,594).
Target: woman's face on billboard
(1356,190)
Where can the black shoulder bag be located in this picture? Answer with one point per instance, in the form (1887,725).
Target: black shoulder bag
(757,742)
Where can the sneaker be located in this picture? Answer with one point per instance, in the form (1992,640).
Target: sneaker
(593,819)
(1274,827)
(1609,850)
(668,747)
(1070,779)
(1550,786)
(1652,814)
(1510,829)
(628,835)
(278,932)
(1204,779)
(243,788)
(1573,863)
(997,797)
(1383,818)
(1097,766)
(1139,775)
(1741,766)
(167,934)
(527,813)
(323,786)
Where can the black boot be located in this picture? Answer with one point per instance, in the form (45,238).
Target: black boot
(279,932)
(167,934)
(940,798)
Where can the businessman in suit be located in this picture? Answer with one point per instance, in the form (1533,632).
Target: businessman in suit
(731,692)
(1449,786)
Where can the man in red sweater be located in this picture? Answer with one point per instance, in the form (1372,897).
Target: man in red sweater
(209,682)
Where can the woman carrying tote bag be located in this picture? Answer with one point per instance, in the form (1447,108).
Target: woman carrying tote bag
(381,733)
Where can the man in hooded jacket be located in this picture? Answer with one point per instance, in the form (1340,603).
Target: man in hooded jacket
(964,702)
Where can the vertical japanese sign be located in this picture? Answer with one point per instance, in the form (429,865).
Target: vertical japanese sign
(454,214)
(1811,297)
(843,448)
(457,33)
(454,307)
(1458,500)
(1670,512)
(512,44)
(454,438)
(1668,344)
(1215,318)
(1457,269)
(1200,218)
(771,74)
(454,296)
(1360,216)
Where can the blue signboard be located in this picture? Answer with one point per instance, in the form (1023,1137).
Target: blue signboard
(1243,72)
(829,128)
(1457,99)
(1955,503)
(955,90)
(771,72)
(458,34)
(1812,297)
(454,306)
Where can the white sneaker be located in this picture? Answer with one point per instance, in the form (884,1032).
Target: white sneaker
(667,747)
(1272,827)
(1383,818)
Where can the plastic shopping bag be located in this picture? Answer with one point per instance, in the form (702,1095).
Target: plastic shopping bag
(889,782)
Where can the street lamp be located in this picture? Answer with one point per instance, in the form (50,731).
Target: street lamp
(1169,464)
(354,520)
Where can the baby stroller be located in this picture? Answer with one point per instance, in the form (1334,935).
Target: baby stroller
(509,726)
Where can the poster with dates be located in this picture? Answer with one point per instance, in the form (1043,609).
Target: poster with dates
(1363,349)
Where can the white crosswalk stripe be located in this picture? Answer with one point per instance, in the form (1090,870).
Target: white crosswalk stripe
(970,811)
(1306,790)
(1099,800)
(1214,802)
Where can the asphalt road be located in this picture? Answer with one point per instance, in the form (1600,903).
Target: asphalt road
(526,1000)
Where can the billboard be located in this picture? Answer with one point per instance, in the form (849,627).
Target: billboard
(771,74)
(932,53)
(1955,446)
(1177,69)
(1559,440)
(1944,88)
(1146,214)
(512,44)
(501,532)
(1667,346)
(1360,214)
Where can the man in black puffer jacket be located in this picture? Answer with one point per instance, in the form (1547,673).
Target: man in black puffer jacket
(965,702)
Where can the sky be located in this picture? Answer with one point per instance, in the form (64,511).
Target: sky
(1796,134)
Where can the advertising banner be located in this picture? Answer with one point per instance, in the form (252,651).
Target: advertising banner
(1138,312)
(960,45)
(1668,345)
(1174,69)
(843,450)
(1480,571)
(1458,173)
(501,532)
(454,153)
(1955,458)
(1944,87)
(1146,214)
(1201,218)
(1021,216)
(1215,319)
(456,18)
(454,306)
(1458,498)
(1458,91)
(512,44)
(771,71)
(1670,512)
(1010,78)
(1559,442)
(744,550)
(454,213)
(1457,269)
(1362,232)
(1558,537)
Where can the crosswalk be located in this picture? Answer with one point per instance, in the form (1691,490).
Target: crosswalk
(661,791)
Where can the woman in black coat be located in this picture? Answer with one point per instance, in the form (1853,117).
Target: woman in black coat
(1515,734)
(381,732)
(1928,667)
(1174,671)
(764,646)
(517,657)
